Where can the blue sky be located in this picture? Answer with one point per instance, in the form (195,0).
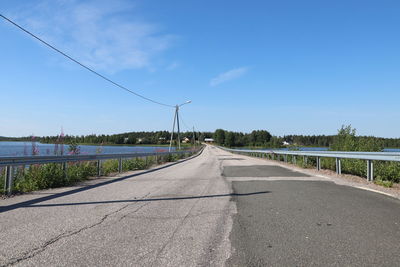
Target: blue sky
(291,67)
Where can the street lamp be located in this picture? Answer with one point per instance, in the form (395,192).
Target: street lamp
(176,119)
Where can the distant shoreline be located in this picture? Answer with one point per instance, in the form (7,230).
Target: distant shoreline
(106,144)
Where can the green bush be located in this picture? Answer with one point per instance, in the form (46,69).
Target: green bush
(37,177)
(137,163)
(384,183)
(109,166)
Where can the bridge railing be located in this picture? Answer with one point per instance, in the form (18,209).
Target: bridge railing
(369,157)
(10,162)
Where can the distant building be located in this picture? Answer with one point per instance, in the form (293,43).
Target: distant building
(186,140)
(209,140)
(285,143)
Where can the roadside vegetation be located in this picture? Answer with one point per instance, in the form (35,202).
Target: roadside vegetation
(52,175)
(385,173)
(263,139)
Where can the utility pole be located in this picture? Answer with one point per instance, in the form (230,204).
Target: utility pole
(173,128)
(194,138)
(176,120)
(179,131)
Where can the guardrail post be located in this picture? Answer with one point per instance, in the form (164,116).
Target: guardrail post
(338,166)
(8,180)
(370,170)
(318,163)
(285,157)
(294,159)
(120,165)
(64,168)
(99,168)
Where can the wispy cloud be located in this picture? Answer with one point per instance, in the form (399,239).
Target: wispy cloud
(228,76)
(172,66)
(102,34)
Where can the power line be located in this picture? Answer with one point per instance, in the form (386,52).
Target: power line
(84,66)
(187,127)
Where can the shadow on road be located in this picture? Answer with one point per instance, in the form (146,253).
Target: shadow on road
(146,199)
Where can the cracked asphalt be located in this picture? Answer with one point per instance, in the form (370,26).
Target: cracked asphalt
(212,210)
(176,216)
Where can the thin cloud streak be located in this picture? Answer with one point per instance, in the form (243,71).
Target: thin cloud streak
(98,33)
(228,76)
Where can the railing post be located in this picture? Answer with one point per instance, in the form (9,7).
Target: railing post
(120,165)
(338,166)
(64,169)
(370,170)
(99,168)
(318,163)
(285,157)
(8,180)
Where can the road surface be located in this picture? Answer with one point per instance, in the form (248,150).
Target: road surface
(212,210)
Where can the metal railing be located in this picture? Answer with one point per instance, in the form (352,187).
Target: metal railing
(10,162)
(369,157)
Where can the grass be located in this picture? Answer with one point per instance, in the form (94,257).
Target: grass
(384,183)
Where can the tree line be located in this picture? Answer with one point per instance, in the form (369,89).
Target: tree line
(256,138)
(262,138)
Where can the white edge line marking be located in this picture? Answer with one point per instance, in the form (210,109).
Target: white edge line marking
(376,191)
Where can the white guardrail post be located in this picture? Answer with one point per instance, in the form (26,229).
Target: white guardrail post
(318,163)
(120,165)
(99,168)
(8,180)
(338,166)
(370,170)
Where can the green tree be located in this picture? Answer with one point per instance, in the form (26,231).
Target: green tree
(219,136)
(229,139)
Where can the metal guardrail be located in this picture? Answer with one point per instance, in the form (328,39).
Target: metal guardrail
(10,162)
(338,155)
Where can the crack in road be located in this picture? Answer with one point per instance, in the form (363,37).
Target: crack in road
(32,253)
(207,187)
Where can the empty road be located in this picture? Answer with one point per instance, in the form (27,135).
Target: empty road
(215,209)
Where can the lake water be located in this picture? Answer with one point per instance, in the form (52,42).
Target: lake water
(25,148)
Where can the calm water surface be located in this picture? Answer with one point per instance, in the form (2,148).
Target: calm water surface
(25,148)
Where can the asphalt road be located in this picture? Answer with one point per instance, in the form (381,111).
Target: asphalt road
(213,210)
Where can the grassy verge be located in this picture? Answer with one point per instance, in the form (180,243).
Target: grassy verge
(52,175)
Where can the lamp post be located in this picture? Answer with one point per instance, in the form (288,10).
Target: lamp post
(176,120)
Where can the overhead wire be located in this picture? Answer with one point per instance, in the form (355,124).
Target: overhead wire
(83,65)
